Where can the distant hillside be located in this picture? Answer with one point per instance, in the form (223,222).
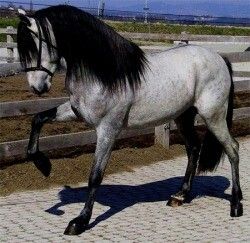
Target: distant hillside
(228,8)
(233,8)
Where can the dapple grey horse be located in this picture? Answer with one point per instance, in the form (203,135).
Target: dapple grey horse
(112,85)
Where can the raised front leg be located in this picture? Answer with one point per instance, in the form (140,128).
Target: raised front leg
(60,113)
(185,124)
(106,135)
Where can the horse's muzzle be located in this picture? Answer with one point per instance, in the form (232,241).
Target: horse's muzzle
(45,89)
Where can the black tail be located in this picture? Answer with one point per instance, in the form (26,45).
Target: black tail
(212,150)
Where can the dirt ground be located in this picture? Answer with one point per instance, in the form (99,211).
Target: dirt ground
(72,170)
(72,166)
(14,88)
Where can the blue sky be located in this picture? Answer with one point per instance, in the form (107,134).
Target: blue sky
(233,8)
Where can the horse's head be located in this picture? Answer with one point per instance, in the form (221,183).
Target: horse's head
(37,51)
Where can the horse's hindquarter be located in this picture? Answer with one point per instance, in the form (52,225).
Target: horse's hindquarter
(178,79)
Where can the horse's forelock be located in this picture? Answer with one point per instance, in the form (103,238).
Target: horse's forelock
(26,45)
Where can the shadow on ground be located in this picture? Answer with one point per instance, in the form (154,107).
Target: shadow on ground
(119,197)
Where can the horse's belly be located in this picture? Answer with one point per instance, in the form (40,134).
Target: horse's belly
(158,105)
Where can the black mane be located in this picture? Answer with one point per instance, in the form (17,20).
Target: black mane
(88,45)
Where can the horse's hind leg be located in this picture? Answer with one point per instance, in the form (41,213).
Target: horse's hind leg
(60,113)
(217,124)
(185,123)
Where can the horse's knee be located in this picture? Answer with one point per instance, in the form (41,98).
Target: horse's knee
(235,145)
(37,120)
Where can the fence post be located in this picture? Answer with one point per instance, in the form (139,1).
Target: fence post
(162,134)
(10,50)
(184,40)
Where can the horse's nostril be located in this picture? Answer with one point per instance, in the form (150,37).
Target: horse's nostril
(34,90)
(41,91)
(45,88)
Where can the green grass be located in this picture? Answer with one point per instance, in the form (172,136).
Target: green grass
(177,29)
(155,28)
(4,22)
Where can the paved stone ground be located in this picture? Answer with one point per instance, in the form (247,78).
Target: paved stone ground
(131,207)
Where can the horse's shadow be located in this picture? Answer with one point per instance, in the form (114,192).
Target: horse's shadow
(119,197)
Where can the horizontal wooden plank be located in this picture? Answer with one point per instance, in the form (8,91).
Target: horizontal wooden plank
(185,37)
(173,37)
(241,113)
(8,31)
(18,108)
(8,109)
(5,58)
(242,85)
(8,45)
(241,74)
(236,57)
(19,148)
(7,69)
(238,114)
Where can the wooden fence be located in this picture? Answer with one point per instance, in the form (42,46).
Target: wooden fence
(8,109)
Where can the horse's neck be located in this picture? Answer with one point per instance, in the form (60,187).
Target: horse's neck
(78,86)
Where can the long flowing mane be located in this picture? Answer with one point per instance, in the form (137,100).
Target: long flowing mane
(89,46)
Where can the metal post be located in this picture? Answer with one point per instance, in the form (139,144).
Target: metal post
(146,8)
(31,6)
(101,7)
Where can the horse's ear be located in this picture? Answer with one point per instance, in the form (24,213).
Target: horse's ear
(23,17)
(21,11)
(29,21)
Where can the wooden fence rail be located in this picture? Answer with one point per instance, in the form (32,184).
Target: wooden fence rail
(7,109)
(28,107)
(157,36)
(184,37)
(18,148)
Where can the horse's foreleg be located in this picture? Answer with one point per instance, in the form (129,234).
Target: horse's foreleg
(60,113)
(106,135)
(185,124)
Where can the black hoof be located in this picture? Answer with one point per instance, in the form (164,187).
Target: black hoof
(76,226)
(174,202)
(41,162)
(236,210)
